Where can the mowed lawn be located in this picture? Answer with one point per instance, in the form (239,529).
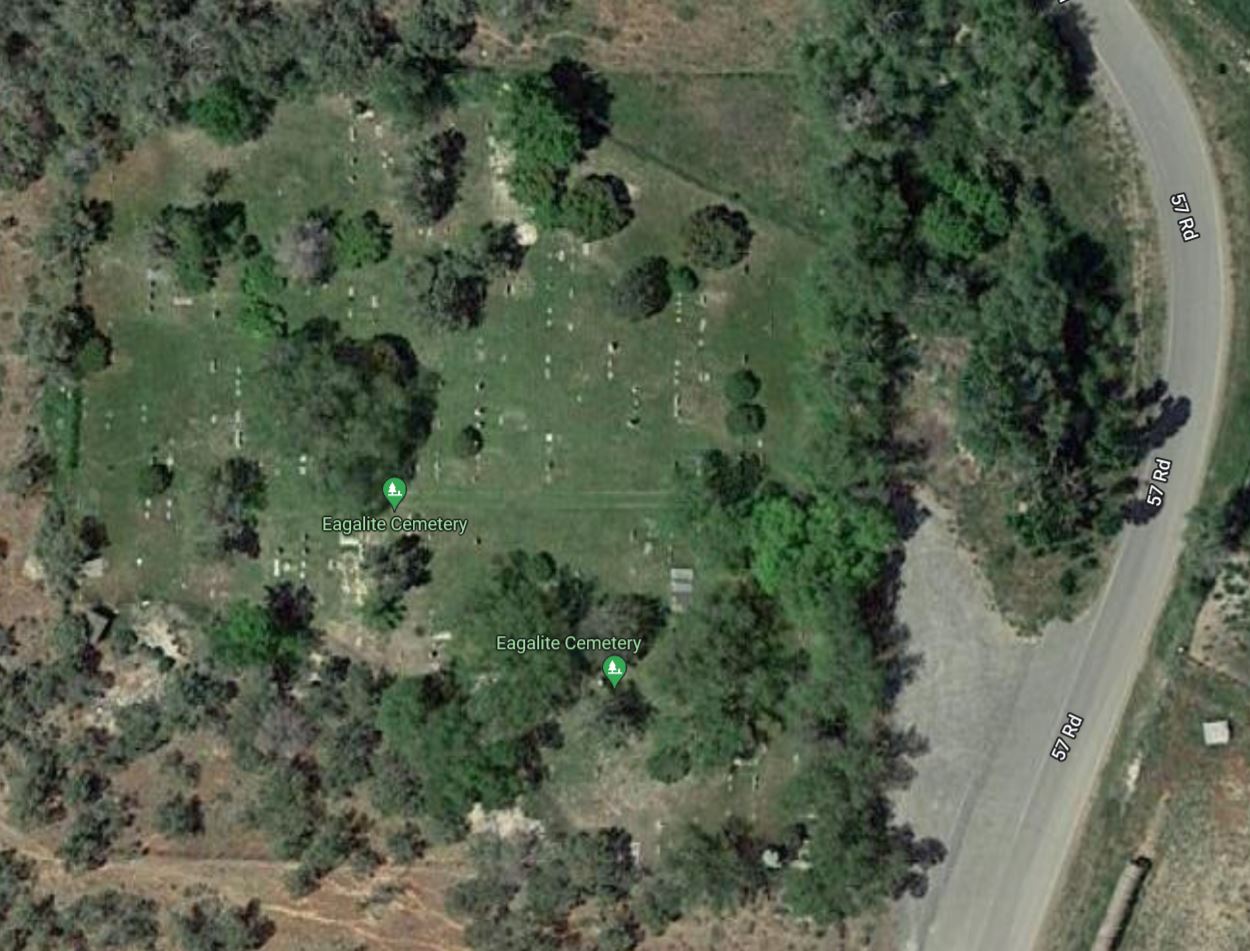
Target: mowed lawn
(553,377)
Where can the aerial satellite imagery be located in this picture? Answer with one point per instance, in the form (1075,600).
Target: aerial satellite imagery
(595,475)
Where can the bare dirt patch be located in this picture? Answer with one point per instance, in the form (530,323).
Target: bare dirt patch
(1223,631)
(967,666)
(1025,588)
(397,908)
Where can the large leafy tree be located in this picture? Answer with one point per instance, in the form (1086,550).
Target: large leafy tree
(723,678)
(197,239)
(449,288)
(432,176)
(527,596)
(644,290)
(360,409)
(254,635)
(597,207)
(716,237)
(545,141)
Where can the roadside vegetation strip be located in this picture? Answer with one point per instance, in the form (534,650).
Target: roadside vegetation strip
(1208,49)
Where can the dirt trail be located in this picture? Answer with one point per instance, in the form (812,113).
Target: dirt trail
(411,918)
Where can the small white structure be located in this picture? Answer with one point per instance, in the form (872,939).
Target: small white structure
(681,589)
(1216,732)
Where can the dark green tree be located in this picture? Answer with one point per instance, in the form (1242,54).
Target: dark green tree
(449,289)
(197,239)
(236,493)
(715,719)
(359,408)
(716,237)
(741,386)
(410,88)
(468,442)
(432,176)
(597,207)
(155,478)
(251,635)
(643,291)
(745,419)
(230,112)
(438,29)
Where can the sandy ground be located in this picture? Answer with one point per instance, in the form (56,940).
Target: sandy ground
(971,662)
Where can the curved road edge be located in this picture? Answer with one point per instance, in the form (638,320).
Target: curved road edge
(1025,810)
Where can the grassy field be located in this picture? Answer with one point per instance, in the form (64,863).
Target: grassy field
(1158,731)
(742,133)
(562,468)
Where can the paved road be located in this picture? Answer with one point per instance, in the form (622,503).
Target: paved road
(1019,817)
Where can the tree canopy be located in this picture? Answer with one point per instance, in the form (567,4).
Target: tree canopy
(270,635)
(230,112)
(597,207)
(643,291)
(360,409)
(716,237)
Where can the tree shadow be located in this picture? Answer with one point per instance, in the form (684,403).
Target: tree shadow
(1172,414)
(1236,519)
(1072,27)
(879,607)
(922,856)
(585,96)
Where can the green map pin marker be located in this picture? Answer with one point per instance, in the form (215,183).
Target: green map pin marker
(394,489)
(614,669)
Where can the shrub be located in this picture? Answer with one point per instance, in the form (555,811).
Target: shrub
(597,207)
(742,386)
(180,817)
(211,925)
(745,419)
(468,442)
(644,290)
(363,240)
(155,479)
(93,357)
(716,237)
(685,280)
(230,112)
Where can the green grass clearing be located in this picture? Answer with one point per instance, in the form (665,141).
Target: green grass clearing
(555,377)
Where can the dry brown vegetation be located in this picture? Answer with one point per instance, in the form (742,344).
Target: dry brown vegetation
(711,37)
(22,602)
